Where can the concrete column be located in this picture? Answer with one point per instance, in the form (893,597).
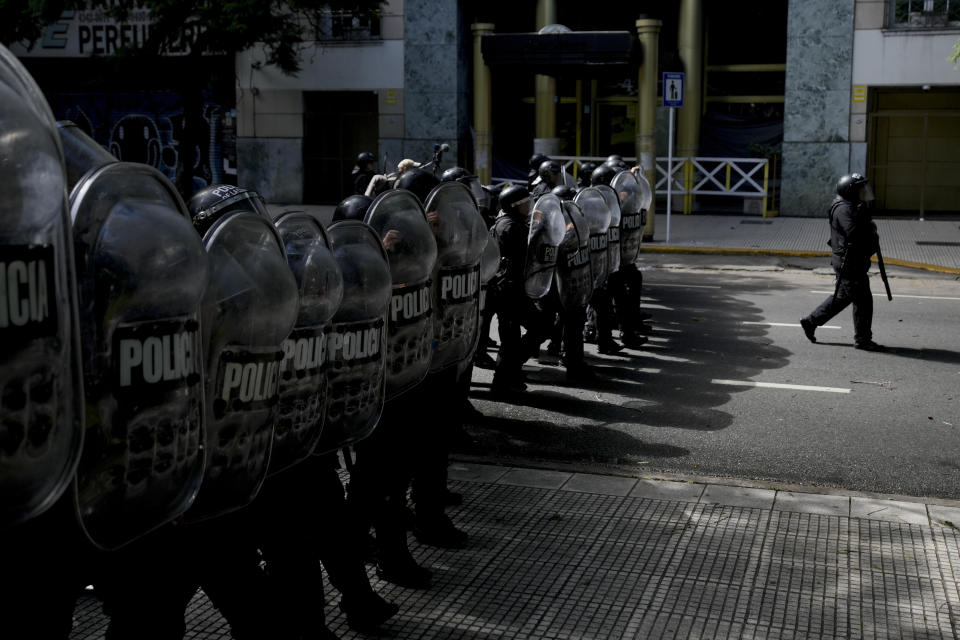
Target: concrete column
(545,92)
(690,45)
(648,32)
(482,105)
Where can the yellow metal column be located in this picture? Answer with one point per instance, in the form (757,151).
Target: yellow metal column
(648,32)
(690,45)
(482,105)
(545,92)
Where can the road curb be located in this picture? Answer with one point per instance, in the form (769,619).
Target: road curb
(787,253)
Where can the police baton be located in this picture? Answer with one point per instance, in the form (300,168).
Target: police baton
(883,273)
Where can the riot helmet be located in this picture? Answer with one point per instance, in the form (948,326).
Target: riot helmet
(454,173)
(211,203)
(418,182)
(616,162)
(352,208)
(364,159)
(848,188)
(602,175)
(549,172)
(564,192)
(536,160)
(515,199)
(584,173)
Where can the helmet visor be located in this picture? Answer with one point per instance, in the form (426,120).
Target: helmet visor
(866,193)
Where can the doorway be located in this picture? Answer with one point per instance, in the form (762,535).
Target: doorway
(913,161)
(337,125)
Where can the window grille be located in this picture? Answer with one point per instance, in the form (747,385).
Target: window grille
(923,14)
(341,26)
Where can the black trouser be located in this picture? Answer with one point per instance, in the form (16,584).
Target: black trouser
(600,314)
(514,312)
(853,290)
(382,473)
(625,286)
(572,321)
(44,569)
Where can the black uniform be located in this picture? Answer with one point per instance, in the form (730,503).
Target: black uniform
(853,238)
(513,307)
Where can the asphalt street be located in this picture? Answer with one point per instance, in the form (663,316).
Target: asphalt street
(729,387)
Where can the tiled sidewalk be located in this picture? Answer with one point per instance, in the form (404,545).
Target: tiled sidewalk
(934,244)
(561,555)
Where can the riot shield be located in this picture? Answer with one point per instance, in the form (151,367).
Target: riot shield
(356,346)
(141,276)
(546,233)
(461,236)
(613,232)
(41,417)
(597,214)
(629,193)
(573,277)
(303,370)
(399,221)
(646,196)
(249,309)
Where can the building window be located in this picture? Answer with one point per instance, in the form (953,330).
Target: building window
(340,26)
(924,14)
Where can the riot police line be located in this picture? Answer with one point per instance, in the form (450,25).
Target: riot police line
(177,378)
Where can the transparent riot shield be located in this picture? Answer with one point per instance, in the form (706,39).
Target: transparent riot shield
(646,197)
(461,236)
(399,221)
(613,232)
(597,214)
(249,309)
(573,277)
(141,276)
(356,344)
(546,233)
(41,389)
(629,193)
(303,370)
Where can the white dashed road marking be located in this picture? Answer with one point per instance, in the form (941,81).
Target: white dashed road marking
(899,295)
(775,385)
(789,324)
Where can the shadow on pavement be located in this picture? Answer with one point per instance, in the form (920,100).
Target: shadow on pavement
(698,335)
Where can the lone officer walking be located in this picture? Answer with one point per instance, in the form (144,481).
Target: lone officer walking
(853,238)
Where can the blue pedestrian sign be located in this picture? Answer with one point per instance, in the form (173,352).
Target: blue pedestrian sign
(673,89)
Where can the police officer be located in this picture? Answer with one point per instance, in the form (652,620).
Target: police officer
(363,171)
(549,172)
(513,308)
(601,315)
(533,175)
(584,173)
(568,326)
(853,238)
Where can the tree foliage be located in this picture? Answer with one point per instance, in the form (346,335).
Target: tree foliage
(955,56)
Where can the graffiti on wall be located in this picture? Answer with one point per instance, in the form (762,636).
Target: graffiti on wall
(147,127)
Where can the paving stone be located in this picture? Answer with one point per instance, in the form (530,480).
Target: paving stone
(738,496)
(537,478)
(668,490)
(476,472)
(945,516)
(889,510)
(812,503)
(605,485)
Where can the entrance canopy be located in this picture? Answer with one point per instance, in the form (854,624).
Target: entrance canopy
(565,53)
